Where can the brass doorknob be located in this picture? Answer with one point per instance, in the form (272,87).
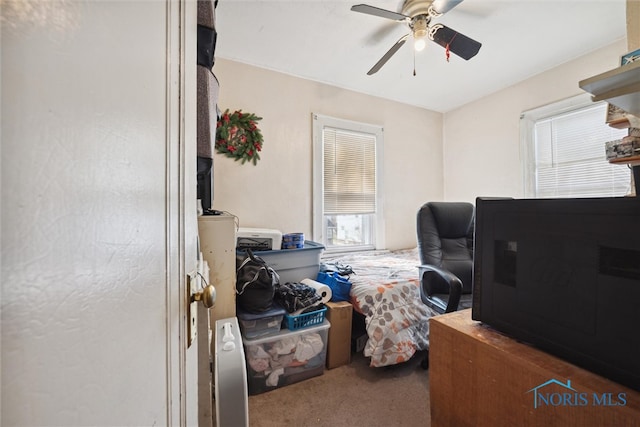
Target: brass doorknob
(207,296)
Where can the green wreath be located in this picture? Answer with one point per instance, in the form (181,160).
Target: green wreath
(238,136)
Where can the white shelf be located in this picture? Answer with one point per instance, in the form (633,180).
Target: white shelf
(620,87)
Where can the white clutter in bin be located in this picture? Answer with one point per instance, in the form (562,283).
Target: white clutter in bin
(286,357)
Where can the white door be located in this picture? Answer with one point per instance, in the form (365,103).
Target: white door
(98,228)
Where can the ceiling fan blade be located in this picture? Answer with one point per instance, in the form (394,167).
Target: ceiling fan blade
(388,55)
(376,11)
(444,6)
(454,41)
(381,33)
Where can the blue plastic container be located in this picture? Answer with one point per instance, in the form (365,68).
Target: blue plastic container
(305,320)
(293,241)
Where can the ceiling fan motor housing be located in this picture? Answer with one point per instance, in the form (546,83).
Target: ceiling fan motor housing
(420,26)
(415,8)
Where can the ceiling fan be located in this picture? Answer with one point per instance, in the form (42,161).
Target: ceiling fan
(417,14)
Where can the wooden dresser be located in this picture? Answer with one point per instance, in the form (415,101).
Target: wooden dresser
(481,377)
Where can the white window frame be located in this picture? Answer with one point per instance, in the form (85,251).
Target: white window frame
(319,123)
(528,120)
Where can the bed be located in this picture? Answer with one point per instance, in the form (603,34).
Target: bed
(386,292)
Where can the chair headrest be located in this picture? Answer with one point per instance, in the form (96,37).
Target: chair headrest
(453,219)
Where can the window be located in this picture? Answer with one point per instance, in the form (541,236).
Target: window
(347,190)
(564,151)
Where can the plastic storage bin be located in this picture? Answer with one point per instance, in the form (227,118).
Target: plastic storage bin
(285,358)
(292,265)
(256,325)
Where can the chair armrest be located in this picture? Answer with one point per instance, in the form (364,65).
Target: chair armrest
(432,277)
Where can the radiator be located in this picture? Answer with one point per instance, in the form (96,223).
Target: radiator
(232,405)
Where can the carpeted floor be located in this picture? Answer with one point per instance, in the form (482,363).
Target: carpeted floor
(353,395)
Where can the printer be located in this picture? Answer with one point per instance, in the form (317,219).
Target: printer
(258,239)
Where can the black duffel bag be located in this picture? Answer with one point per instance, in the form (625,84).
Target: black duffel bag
(255,284)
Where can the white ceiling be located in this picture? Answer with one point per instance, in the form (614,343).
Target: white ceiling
(325,41)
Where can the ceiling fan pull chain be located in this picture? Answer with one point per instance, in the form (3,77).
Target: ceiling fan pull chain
(414,62)
(447,52)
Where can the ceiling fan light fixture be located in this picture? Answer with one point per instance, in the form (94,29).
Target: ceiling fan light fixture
(420,28)
(419,42)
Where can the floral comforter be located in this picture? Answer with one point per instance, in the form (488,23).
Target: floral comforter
(386,291)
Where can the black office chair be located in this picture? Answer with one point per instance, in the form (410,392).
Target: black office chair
(445,243)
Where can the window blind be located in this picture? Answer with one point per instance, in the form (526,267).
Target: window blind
(570,158)
(349,172)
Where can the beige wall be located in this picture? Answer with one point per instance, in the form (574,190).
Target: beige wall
(277,192)
(482,140)
(468,152)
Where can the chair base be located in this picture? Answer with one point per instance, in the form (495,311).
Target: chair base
(424,364)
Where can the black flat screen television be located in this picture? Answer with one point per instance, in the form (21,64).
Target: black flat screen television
(205,183)
(563,275)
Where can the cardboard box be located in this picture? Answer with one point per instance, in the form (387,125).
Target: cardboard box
(339,315)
